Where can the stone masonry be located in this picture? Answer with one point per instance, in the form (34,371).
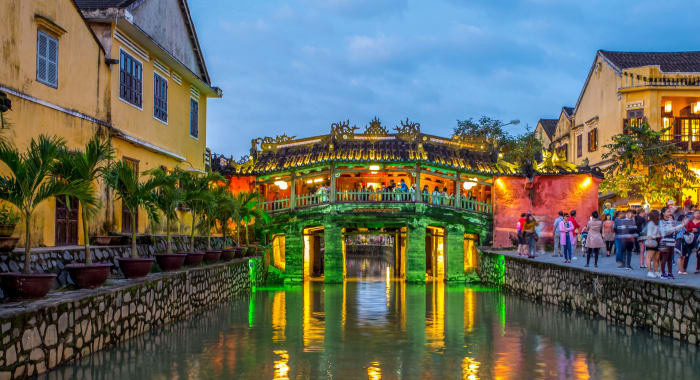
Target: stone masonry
(662,308)
(36,336)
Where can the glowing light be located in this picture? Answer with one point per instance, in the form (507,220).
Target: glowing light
(696,171)
(668,106)
(586,182)
(374,372)
(696,107)
(282,185)
(374,168)
(499,183)
(279,317)
(309,181)
(468,185)
(470,369)
(317,180)
(281,365)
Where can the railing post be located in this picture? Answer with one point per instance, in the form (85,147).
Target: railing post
(332,191)
(419,190)
(293,193)
(458,191)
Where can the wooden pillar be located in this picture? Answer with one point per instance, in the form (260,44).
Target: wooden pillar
(419,194)
(332,190)
(293,192)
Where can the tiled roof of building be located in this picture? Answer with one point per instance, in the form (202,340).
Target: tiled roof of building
(568,110)
(100,4)
(549,126)
(670,62)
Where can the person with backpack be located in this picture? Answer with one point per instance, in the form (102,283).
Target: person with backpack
(594,241)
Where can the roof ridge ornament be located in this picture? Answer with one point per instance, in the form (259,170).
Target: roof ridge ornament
(342,129)
(375,128)
(408,131)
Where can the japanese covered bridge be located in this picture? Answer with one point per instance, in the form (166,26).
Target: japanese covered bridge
(424,202)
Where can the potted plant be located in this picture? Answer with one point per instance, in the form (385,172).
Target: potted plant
(197,194)
(8,220)
(167,197)
(134,194)
(87,166)
(217,211)
(31,181)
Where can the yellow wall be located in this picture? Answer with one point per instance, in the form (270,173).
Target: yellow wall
(86,101)
(542,135)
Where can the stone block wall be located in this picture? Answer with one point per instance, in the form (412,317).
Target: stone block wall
(66,326)
(54,259)
(662,308)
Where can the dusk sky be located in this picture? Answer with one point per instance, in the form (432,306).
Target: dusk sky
(297,66)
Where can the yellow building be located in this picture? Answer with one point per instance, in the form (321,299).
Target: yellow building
(545,131)
(622,88)
(129,69)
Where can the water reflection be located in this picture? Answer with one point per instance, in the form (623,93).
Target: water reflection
(389,330)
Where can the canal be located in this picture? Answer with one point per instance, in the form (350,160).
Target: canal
(385,329)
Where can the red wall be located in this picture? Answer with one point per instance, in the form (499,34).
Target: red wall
(551,194)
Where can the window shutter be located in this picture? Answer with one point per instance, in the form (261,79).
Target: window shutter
(194,118)
(41,54)
(52,62)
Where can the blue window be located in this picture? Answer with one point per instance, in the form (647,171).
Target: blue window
(46,59)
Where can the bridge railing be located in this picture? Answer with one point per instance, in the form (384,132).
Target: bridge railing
(438,200)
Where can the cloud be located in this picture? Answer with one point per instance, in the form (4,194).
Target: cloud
(360,8)
(371,50)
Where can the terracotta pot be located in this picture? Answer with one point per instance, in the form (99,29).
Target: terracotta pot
(238,252)
(212,256)
(226,254)
(193,258)
(8,244)
(170,261)
(26,286)
(101,240)
(135,267)
(88,276)
(7,230)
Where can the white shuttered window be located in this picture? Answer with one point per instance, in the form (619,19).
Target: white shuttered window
(46,59)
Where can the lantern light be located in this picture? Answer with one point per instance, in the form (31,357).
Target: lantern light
(374,168)
(282,185)
(668,106)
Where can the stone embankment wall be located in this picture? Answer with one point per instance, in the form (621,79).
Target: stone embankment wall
(662,308)
(54,259)
(65,326)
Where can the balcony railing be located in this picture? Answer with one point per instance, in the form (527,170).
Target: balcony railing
(685,143)
(367,197)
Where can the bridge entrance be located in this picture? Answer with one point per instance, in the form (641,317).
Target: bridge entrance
(375,254)
(314,249)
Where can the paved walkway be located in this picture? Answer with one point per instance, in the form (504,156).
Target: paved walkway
(609,266)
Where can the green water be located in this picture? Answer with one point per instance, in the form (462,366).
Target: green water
(389,330)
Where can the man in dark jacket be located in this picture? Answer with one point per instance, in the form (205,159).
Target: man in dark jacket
(626,231)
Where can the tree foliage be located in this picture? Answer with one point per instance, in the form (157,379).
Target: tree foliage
(519,149)
(645,165)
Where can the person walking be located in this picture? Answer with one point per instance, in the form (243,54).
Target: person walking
(522,243)
(530,235)
(691,230)
(668,228)
(609,233)
(566,236)
(555,235)
(641,221)
(651,243)
(626,231)
(576,231)
(594,241)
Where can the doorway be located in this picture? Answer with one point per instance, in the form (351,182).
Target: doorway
(66,220)
(314,247)
(435,253)
(375,254)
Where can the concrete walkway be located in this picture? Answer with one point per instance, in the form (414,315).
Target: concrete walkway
(608,265)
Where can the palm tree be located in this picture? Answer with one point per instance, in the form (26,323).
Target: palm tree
(32,180)
(197,193)
(134,194)
(87,166)
(249,210)
(167,197)
(223,207)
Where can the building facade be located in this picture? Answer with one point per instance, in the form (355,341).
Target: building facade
(624,88)
(115,68)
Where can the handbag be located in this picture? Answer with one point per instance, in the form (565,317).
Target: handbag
(651,243)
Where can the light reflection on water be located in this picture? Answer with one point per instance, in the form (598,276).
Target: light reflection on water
(390,330)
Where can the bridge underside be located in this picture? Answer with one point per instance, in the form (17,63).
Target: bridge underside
(430,243)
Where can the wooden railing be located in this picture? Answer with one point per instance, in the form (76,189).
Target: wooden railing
(438,200)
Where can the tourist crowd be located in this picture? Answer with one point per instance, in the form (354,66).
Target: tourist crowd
(662,238)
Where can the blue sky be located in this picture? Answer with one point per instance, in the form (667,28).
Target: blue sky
(297,66)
